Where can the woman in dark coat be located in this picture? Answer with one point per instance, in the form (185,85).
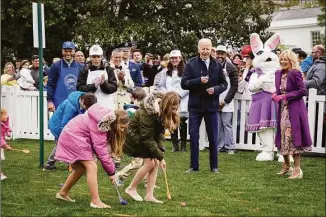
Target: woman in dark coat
(293,134)
(146,136)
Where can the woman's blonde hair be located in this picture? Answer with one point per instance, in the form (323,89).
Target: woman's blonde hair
(118,137)
(5,70)
(170,117)
(292,57)
(3,110)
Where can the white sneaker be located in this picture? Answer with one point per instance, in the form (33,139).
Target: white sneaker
(2,177)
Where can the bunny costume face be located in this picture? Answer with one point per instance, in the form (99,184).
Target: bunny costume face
(265,59)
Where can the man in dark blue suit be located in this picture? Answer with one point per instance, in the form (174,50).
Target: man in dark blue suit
(204,78)
(130,65)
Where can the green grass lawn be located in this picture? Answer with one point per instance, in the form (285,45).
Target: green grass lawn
(243,187)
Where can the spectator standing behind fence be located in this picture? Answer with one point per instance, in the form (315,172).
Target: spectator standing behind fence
(204,78)
(98,77)
(132,67)
(124,80)
(125,84)
(293,134)
(25,80)
(226,106)
(151,69)
(35,70)
(137,58)
(316,77)
(63,77)
(169,79)
(79,57)
(9,75)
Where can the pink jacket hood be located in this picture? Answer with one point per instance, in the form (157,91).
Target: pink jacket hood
(103,116)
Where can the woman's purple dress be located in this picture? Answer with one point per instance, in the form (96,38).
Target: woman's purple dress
(287,146)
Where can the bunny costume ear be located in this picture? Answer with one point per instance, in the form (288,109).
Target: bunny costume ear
(272,42)
(106,121)
(255,43)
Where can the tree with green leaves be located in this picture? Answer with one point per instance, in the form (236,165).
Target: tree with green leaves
(157,25)
(322,22)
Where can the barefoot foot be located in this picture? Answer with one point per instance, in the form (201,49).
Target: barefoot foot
(152,200)
(64,197)
(100,205)
(133,194)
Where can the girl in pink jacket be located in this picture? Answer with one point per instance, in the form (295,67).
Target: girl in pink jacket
(87,135)
(5,131)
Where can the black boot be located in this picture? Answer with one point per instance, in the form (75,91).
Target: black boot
(183,133)
(175,141)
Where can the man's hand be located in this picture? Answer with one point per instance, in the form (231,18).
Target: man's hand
(210,91)
(121,75)
(221,105)
(163,164)
(51,107)
(204,79)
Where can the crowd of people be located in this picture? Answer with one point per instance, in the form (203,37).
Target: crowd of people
(120,102)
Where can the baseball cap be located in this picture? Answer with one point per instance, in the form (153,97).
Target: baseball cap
(68,45)
(95,50)
(125,45)
(221,48)
(175,53)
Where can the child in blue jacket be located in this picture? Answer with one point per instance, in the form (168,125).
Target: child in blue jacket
(76,103)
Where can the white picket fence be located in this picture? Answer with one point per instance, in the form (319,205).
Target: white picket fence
(23,110)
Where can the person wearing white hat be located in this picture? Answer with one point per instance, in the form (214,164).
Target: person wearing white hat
(98,78)
(169,79)
(226,105)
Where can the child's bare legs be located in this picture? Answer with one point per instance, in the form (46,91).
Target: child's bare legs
(148,165)
(79,171)
(151,180)
(91,174)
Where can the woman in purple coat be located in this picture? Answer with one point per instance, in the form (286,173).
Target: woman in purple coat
(293,135)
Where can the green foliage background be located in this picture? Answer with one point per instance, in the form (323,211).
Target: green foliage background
(157,25)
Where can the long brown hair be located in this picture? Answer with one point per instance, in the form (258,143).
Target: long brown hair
(180,68)
(170,117)
(118,137)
